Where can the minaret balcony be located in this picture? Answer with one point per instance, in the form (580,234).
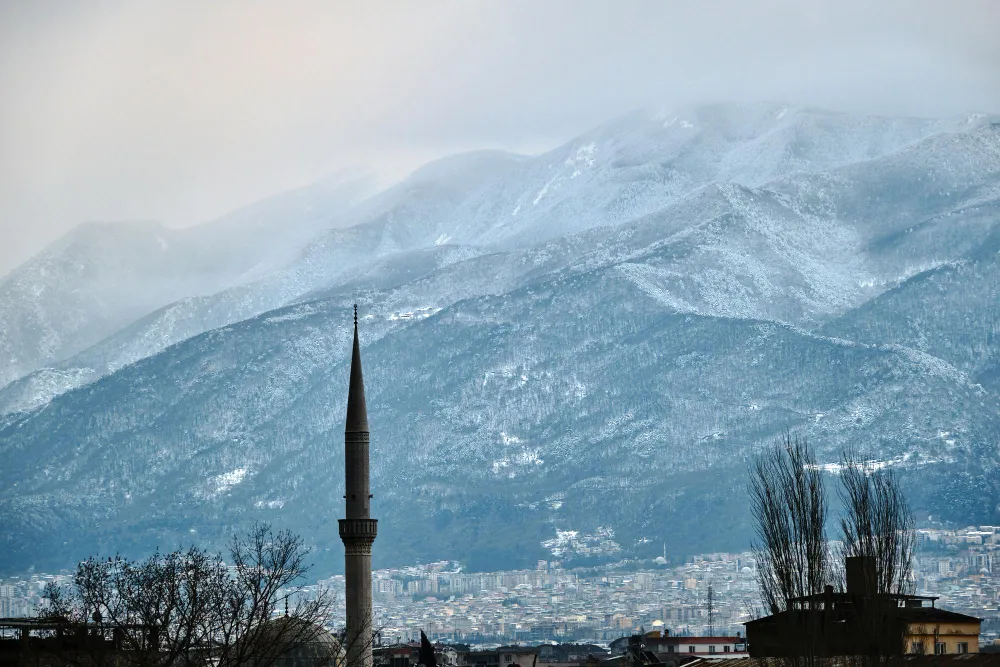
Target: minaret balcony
(361,530)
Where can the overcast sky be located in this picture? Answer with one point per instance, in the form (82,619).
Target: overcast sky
(180,111)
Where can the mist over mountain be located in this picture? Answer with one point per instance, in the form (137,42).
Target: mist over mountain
(482,201)
(102,277)
(572,354)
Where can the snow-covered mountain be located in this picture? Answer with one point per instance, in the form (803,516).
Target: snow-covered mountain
(639,165)
(592,339)
(103,276)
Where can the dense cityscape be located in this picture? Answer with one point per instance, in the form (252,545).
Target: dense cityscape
(557,603)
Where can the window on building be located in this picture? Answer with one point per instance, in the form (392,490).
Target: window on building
(711,649)
(725,649)
(691,649)
(670,649)
(940,648)
(963,647)
(917,648)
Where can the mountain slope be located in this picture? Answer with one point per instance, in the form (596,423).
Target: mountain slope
(951,311)
(590,340)
(103,276)
(868,218)
(575,404)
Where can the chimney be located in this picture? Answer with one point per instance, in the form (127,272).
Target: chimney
(860,576)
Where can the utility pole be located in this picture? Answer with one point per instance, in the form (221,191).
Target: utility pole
(711,612)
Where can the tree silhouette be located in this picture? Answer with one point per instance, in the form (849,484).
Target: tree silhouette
(189,607)
(877,531)
(788,504)
(877,523)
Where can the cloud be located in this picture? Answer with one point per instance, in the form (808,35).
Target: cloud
(180,111)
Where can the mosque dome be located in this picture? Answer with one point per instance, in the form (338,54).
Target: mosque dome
(311,644)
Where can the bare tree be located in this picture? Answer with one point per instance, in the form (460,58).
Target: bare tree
(267,568)
(789,508)
(192,608)
(877,528)
(877,524)
(788,504)
(155,610)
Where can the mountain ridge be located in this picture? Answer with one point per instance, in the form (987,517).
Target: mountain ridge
(606,360)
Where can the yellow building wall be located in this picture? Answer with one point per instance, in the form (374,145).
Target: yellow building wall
(951,634)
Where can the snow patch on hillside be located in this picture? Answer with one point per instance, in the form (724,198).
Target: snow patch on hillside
(421,313)
(909,459)
(544,190)
(220,484)
(516,463)
(569,543)
(509,439)
(650,280)
(297,313)
(583,158)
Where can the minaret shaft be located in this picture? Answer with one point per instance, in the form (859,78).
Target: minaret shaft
(356,484)
(358,530)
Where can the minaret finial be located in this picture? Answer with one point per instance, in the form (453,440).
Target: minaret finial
(355,316)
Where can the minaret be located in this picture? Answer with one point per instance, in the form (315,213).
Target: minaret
(358,530)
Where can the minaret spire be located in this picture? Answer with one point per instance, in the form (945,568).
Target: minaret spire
(358,530)
(357,412)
